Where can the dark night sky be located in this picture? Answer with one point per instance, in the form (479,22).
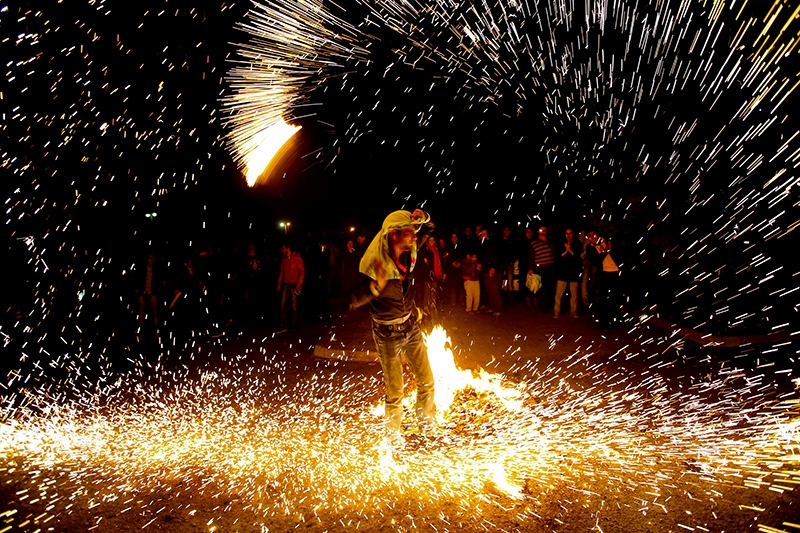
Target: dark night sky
(112,111)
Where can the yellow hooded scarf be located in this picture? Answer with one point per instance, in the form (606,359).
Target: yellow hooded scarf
(379,247)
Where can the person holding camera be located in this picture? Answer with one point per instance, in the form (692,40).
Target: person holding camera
(607,284)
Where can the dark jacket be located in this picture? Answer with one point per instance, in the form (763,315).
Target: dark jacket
(395,301)
(569,267)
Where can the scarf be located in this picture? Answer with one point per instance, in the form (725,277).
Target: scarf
(379,247)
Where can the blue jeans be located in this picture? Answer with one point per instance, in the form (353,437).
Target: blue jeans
(288,305)
(390,341)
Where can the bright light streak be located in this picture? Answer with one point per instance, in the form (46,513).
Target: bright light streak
(267,143)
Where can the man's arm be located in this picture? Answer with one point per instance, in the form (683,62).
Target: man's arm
(301,269)
(371,289)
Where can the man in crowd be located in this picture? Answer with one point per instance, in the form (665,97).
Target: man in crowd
(541,260)
(290,283)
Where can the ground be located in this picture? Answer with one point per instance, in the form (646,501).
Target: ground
(570,429)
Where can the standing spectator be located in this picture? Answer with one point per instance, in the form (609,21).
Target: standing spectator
(389,264)
(430,273)
(568,271)
(470,241)
(187,305)
(231,302)
(470,273)
(541,260)
(487,257)
(524,256)
(254,288)
(607,284)
(151,282)
(290,283)
(350,259)
(360,244)
(330,258)
(588,273)
(211,270)
(493,282)
(451,261)
(317,279)
(506,258)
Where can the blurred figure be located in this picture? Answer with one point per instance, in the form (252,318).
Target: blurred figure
(507,259)
(254,285)
(319,258)
(588,272)
(568,272)
(350,259)
(211,267)
(487,257)
(187,301)
(470,273)
(361,244)
(524,256)
(151,281)
(430,274)
(607,283)
(290,283)
(451,261)
(541,260)
(470,242)
(493,282)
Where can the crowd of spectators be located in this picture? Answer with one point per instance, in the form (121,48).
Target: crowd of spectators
(294,280)
(484,270)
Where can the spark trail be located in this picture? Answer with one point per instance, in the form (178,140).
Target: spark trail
(634,111)
(311,451)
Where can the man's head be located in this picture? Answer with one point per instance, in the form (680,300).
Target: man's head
(454,238)
(542,233)
(468,232)
(403,239)
(529,233)
(568,234)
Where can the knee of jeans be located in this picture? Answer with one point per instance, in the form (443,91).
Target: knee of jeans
(394,402)
(425,387)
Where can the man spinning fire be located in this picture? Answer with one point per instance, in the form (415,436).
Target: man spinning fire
(389,264)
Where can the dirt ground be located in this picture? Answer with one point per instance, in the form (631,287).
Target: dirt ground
(600,432)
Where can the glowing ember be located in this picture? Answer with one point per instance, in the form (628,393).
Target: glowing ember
(312,451)
(265,147)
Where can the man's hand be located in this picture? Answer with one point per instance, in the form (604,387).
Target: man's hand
(380,274)
(418,216)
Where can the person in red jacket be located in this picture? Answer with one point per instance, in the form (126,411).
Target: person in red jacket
(290,282)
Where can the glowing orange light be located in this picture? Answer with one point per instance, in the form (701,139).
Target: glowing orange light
(267,143)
